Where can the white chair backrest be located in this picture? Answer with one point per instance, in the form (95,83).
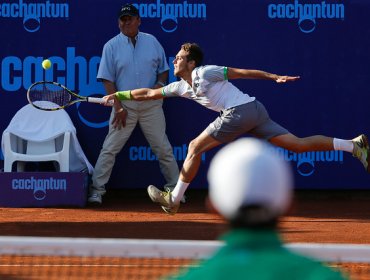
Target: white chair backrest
(40,148)
(36,135)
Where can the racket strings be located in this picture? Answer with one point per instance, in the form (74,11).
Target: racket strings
(49,96)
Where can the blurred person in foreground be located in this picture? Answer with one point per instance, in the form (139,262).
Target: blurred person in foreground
(251,187)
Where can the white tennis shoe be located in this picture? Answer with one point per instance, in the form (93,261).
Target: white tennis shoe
(170,189)
(164,199)
(361,150)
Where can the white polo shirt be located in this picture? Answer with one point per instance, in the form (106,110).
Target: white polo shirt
(210,88)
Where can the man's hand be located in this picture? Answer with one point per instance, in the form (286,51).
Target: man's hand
(109,98)
(120,113)
(283,79)
(119,119)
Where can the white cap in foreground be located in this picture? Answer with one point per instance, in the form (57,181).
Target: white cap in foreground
(247,172)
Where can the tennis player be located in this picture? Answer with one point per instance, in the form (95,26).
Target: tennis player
(239,113)
(262,192)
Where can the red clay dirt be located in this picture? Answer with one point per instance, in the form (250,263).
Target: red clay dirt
(323,217)
(329,217)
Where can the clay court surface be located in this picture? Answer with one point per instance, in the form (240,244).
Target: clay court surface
(321,216)
(317,216)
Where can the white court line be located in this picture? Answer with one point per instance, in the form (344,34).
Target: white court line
(154,248)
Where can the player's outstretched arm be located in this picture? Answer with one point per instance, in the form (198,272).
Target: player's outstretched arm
(136,94)
(237,73)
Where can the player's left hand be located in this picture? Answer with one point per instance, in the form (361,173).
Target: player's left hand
(283,79)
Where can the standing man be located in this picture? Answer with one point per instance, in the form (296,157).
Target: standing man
(133,59)
(239,113)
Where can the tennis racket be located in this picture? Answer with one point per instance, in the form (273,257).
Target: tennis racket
(52,96)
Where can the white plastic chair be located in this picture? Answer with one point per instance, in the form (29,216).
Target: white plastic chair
(37,136)
(19,150)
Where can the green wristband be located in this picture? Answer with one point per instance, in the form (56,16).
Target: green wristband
(123,95)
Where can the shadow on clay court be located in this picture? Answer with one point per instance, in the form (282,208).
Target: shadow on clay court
(340,205)
(141,230)
(131,214)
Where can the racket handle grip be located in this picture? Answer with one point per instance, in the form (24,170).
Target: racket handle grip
(99,101)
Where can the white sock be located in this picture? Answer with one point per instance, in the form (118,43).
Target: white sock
(178,191)
(343,145)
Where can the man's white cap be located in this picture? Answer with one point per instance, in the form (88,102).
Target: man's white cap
(249,172)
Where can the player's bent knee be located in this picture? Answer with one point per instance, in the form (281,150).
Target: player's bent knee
(194,148)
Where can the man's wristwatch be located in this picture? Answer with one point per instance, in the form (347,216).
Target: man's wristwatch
(119,111)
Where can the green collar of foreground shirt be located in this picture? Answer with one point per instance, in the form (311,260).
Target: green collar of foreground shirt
(252,238)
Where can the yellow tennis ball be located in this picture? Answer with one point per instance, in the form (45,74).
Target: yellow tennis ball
(46,64)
